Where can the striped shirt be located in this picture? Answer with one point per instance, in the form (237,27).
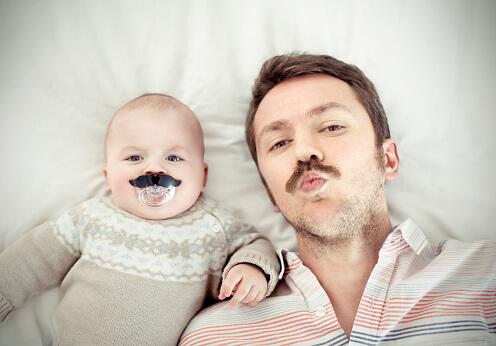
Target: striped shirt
(416,295)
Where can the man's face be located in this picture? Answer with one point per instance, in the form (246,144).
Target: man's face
(316,151)
(146,141)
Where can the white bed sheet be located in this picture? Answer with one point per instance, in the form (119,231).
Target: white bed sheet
(66,66)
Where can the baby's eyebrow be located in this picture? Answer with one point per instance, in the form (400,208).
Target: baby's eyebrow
(177,147)
(130,148)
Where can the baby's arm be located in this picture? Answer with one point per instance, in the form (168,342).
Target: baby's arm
(251,261)
(246,283)
(37,261)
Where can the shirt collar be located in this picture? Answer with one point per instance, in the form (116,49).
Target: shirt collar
(405,235)
(289,261)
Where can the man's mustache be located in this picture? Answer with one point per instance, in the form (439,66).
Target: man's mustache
(311,165)
(152,179)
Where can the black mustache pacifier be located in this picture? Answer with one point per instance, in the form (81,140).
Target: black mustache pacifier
(155,190)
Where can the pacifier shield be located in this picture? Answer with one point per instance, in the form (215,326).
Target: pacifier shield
(155,190)
(156,196)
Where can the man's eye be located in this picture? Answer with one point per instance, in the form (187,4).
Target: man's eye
(333,128)
(134,158)
(174,158)
(279,144)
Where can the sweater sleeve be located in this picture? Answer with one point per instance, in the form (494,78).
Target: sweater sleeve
(246,245)
(37,261)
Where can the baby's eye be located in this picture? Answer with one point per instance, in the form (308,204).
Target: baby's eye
(174,158)
(134,158)
(279,145)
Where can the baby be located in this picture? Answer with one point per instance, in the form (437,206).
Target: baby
(135,267)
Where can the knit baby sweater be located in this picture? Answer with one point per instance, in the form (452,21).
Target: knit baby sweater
(125,280)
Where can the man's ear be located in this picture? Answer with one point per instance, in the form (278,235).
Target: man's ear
(205,176)
(391,159)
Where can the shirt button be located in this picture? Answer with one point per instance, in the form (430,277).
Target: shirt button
(319,312)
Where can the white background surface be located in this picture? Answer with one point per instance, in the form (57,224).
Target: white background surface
(65,66)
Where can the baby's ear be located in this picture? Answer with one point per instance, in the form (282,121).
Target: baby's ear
(205,176)
(104,171)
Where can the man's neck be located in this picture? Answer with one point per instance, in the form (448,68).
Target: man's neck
(343,271)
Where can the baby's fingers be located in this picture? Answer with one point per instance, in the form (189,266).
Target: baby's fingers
(229,284)
(252,296)
(260,296)
(241,292)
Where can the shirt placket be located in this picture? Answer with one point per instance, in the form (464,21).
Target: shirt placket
(369,318)
(318,304)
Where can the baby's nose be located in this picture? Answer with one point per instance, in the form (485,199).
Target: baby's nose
(155,166)
(154,173)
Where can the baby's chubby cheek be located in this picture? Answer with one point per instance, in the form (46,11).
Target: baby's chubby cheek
(118,183)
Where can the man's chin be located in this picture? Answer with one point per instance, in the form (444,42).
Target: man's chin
(319,209)
(312,220)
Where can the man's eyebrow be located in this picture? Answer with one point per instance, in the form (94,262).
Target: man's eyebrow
(281,124)
(326,106)
(273,126)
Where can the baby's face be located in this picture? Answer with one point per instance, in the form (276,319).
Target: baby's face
(147,141)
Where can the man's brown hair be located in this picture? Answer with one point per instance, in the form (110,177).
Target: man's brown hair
(283,67)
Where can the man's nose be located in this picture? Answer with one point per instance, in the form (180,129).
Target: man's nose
(306,149)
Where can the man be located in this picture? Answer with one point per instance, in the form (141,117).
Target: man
(320,138)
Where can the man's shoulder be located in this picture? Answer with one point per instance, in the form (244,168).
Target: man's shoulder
(478,248)
(467,258)
(450,248)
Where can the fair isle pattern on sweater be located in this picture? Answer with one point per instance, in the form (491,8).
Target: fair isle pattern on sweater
(164,250)
(125,280)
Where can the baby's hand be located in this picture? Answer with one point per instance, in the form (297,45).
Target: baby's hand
(248,283)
